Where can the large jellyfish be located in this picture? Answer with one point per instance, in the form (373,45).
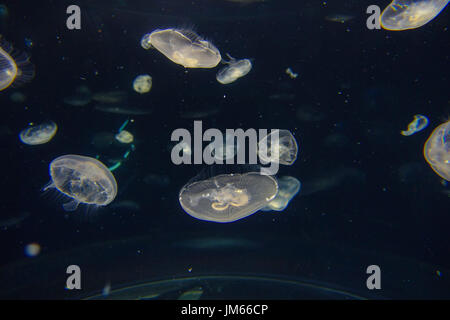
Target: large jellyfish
(235,70)
(183,47)
(288,187)
(278,146)
(15,69)
(84,179)
(228,197)
(38,134)
(437,150)
(410,14)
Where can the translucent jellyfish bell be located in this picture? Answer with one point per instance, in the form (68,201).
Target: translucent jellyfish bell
(142,84)
(228,197)
(410,14)
(234,70)
(288,187)
(278,146)
(124,136)
(437,150)
(84,179)
(15,69)
(229,148)
(419,123)
(38,134)
(183,47)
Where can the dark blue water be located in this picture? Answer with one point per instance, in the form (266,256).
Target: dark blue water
(388,207)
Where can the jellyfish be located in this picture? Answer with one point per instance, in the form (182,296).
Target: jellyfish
(437,150)
(83,179)
(124,137)
(278,146)
(142,84)
(228,197)
(227,150)
(183,47)
(288,187)
(15,69)
(235,70)
(419,123)
(38,134)
(410,14)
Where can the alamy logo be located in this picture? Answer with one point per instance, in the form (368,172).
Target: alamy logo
(231,148)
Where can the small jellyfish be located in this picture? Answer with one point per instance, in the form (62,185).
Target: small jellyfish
(235,70)
(437,150)
(183,47)
(410,14)
(419,123)
(15,69)
(124,137)
(142,84)
(288,187)
(278,146)
(228,197)
(38,134)
(183,147)
(227,150)
(291,73)
(84,179)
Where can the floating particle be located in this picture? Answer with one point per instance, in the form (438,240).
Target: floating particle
(32,249)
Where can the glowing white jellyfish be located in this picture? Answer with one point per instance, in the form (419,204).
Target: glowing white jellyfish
(234,70)
(437,150)
(38,134)
(419,123)
(15,69)
(124,136)
(288,187)
(224,150)
(410,14)
(228,197)
(83,179)
(142,84)
(278,146)
(183,47)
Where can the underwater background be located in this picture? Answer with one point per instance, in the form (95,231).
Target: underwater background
(367,196)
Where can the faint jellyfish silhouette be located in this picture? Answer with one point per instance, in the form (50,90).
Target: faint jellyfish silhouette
(437,150)
(84,179)
(228,197)
(15,69)
(288,187)
(183,147)
(419,123)
(142,84)
(410,14)
(227,150)
(38,134)
(278,146)
(235,70)
(183,47)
